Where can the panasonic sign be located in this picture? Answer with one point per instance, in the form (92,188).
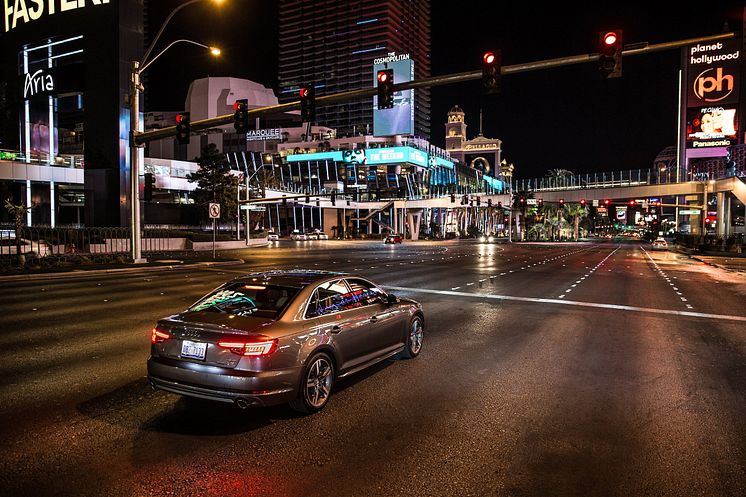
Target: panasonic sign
(17,12)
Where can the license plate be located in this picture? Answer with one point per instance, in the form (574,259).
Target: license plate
(194,350)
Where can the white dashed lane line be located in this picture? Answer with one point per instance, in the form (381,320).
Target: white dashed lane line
(587,274)
(668,280)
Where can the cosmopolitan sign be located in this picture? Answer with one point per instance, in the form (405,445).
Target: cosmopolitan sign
(17,12)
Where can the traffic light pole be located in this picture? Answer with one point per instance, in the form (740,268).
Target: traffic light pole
(634,49)
(135,235)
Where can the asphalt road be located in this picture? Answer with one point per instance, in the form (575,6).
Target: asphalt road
(547,370)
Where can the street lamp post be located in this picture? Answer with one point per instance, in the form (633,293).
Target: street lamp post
(135,89)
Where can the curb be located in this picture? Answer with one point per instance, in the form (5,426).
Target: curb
(82,273)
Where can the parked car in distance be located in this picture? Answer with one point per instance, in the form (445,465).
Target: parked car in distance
(312,236)
(281,337)
(273,237)
(298,236)
(323,236)
(659,244)
(392,239)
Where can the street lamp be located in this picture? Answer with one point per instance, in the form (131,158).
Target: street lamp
(135,88)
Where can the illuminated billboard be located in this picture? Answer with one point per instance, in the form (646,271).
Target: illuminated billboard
(712,94)
(399,120)
(715,126)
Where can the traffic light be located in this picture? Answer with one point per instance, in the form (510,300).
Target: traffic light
(541,202)
(491,80)
(307,104)
(489,202)
(607,202)
(479,201)
(183,128)
(241,116)
(308,199)
(658,203)
(582,202)
(499,205)
(333,198)
(149,183)
(631,203)
(562,202)
(385,86)
(522,201)
(610,53)
(453,198)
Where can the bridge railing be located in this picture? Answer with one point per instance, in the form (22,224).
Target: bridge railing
(613,179)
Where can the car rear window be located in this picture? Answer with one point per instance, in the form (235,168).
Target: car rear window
(247,299)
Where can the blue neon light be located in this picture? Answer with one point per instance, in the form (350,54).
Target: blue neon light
(334,155)
(367,50)
(367,21)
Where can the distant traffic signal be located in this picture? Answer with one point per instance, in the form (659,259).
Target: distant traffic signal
(333,198)
(631,203)
(307,104)
(610,53)
(541,202)
(241,116)
(562,202)
(582,202)
(453,198)
(149,184)
(607,202)
(491,79)
(489,202)
(183,128)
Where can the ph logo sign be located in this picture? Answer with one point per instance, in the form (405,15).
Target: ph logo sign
(713,85)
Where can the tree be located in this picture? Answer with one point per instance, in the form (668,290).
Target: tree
(576,212)
(18,212)
(215,183)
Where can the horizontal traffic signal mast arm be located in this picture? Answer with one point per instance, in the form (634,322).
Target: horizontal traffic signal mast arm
(634,49)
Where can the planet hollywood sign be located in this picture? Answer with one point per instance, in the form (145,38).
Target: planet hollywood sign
(18,12)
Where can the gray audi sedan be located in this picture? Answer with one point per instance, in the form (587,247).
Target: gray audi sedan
(281,337)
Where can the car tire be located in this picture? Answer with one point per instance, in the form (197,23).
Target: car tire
(315,386)
(415,335)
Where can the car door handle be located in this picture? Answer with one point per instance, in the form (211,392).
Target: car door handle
(335,329)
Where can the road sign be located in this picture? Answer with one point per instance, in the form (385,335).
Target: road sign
(531,201)
(688,212)
(256,208)
(594,202)
(214,211)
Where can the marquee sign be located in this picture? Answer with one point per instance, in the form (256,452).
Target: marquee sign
(18,12)
(264,134)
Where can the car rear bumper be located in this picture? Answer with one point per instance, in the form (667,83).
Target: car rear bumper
(223,385)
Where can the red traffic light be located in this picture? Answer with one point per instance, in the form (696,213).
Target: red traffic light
(607,202)
(488,58)
(562,201)
(382,76)
(610,38)
(303,92)
(179,117)
(236,105)
(631,203)
(657,204)
(582,201)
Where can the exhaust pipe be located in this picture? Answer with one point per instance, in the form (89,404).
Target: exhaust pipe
(242,403)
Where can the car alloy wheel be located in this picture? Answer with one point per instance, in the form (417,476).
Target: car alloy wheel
(316,386)
(414,339)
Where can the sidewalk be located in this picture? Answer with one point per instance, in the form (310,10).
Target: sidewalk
(729,263)
(78,271)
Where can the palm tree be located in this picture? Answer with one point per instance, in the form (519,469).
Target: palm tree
(559,176)
(576,212)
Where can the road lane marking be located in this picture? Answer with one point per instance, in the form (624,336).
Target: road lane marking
(704,315)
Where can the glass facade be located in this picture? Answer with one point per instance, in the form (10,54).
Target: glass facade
(52,130)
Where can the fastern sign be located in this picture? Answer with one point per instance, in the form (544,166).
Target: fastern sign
(18,12)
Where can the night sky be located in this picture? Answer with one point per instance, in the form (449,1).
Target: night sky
(561,118)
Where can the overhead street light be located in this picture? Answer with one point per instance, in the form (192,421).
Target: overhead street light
(134,98)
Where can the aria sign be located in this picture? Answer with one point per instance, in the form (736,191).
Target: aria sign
(37,83)
(51,81)
(18,12)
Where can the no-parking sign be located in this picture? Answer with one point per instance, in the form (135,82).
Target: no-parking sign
(214,211)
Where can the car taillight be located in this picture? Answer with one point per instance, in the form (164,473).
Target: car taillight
(255,347)
(160,334)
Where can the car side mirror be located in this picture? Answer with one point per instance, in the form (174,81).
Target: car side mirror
(392,299)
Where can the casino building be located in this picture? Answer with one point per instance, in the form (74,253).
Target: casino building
(64,135)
